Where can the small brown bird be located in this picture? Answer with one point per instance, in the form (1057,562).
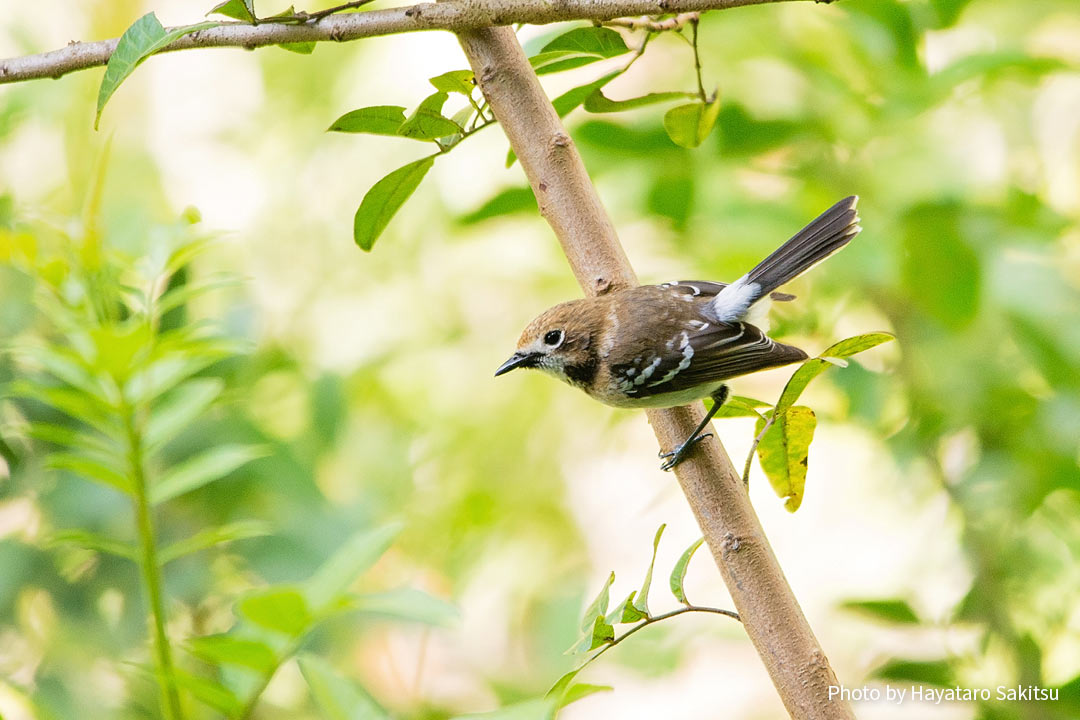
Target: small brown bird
(658,346)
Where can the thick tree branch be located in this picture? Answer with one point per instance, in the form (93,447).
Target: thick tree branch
(454,15)
(567,199)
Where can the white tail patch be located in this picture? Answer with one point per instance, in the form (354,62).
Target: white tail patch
(734,300)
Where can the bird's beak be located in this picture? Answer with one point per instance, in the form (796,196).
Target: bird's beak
(516,360)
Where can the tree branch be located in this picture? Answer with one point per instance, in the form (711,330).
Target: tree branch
(768,609)
(454,15)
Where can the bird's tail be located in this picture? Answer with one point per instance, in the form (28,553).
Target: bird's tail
(832,230)
(829,232)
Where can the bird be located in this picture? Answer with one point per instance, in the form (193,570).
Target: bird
(666,345)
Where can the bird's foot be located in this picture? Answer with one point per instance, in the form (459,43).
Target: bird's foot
(676,456)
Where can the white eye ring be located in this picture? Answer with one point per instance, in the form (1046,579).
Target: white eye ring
(554,338)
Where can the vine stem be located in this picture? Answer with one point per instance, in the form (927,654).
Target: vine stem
(151,571)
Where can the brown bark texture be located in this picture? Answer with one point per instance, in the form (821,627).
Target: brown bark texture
(569,202)
(454,15)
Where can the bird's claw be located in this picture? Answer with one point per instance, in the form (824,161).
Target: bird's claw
(677,455)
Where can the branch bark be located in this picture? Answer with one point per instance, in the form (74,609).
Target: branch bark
(768,609)
(455,15)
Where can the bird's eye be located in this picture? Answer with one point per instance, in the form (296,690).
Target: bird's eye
(553,337)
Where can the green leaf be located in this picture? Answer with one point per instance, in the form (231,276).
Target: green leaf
(145,37)
(927,672)
(183,294)
(598,607)
(558,690)
(68,366)
(375,120)
(90,469)
(406,604)
(212,537)
(536,709)
(212,465)
(815,366)
(571,99)
(173,368)
(895,611)
(598,103)
(857,344)
(783,452)
(94,444)
(282,610)
(232,650)
(209,692)
(948,11)
(688,125)
(353,559)
(630,612)
(597,40)
(578,47)
(595,630)
(559,60)
(243,10)
(678,573)
(179,409)
(75,405)
(616,614)
(641,604)
(337,697)
(457,81)
(385,198)
(300,48)
(93,541)
(427,122)
(738,406)
(185,254)
(577,691)
(602,633)
(507,202)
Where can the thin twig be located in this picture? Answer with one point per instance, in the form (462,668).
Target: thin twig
(753,446)
(651,24)
(317,16)
(657,618)
(697,63)
(302,16)
(342,27)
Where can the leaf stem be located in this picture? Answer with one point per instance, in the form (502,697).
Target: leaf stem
(443,149)
(476,107)
(151,570)
(694,22)
(753,448)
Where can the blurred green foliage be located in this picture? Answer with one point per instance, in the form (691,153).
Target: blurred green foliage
(949,118)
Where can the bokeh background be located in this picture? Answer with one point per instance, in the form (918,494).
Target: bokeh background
(945,473)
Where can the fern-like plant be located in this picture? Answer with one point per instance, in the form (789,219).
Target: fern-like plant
(125,384)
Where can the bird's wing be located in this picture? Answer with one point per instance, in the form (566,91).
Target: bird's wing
(701,353)
(707,288)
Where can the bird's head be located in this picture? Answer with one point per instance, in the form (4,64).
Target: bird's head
(559,342)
